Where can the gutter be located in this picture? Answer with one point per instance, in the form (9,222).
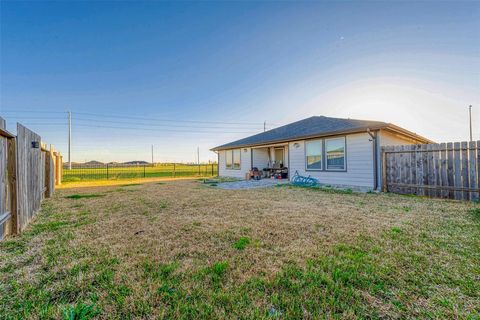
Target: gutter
(415,137)
(268,143)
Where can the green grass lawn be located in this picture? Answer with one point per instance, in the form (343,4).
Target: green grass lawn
(112,173)
(187,250)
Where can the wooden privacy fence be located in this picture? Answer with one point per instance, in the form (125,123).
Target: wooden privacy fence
(28,174)
(445,170)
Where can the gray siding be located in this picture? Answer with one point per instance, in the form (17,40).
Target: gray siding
(260,157)
(359,163)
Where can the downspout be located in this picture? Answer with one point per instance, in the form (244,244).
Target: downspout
(375,158)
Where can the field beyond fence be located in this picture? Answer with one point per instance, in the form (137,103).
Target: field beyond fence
(86,172)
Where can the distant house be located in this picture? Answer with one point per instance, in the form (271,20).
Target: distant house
(340,152)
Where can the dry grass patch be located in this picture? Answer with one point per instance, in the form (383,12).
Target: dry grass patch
(186,250)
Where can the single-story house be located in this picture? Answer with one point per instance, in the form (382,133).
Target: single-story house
(338,152)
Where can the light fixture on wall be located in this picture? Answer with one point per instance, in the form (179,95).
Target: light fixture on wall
(245,150)
(296,145)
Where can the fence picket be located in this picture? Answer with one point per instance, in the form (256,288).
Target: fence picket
(424,148)
(419,167)
(402,172)
(473,169)
(413,171)
(464,173)
(406,170)
(457,170)
(390,178)
(398,169)
(443,169)
(436,173)
(450,170)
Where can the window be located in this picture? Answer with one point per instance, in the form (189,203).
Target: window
(229,159)
(232,158)
(236,159)
(335,152)
(314,154)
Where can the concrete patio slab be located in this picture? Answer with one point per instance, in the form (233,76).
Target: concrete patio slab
(250,184)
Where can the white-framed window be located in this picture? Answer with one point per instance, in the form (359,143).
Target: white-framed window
(229,159)
(335,153)
(236,159)
(313,152)
(232,159)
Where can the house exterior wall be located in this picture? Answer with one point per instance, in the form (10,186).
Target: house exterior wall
(391,139)
(260,158)
(359,163)
(245,164)
(359,160)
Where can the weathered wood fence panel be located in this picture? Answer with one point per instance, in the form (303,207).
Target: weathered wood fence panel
(445,170)
(28,174)
(5,214)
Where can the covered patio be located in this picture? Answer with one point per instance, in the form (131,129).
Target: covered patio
(271,160)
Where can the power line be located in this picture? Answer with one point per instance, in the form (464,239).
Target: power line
(36,118)
(169,120)
(81,118)
(165,130)
(221,129)
(159,125)
(112,121)
(31,111)
(142,124)
(43,123)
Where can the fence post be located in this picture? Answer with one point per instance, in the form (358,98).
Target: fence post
(59,170)
(144,170)
(107,171)
(49,172)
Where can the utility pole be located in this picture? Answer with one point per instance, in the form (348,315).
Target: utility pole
(152,155)
(470,116)
(264,125)
(69,140)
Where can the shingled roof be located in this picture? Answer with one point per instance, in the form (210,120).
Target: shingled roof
(316,126)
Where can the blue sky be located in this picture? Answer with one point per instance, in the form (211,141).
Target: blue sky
(182,75)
